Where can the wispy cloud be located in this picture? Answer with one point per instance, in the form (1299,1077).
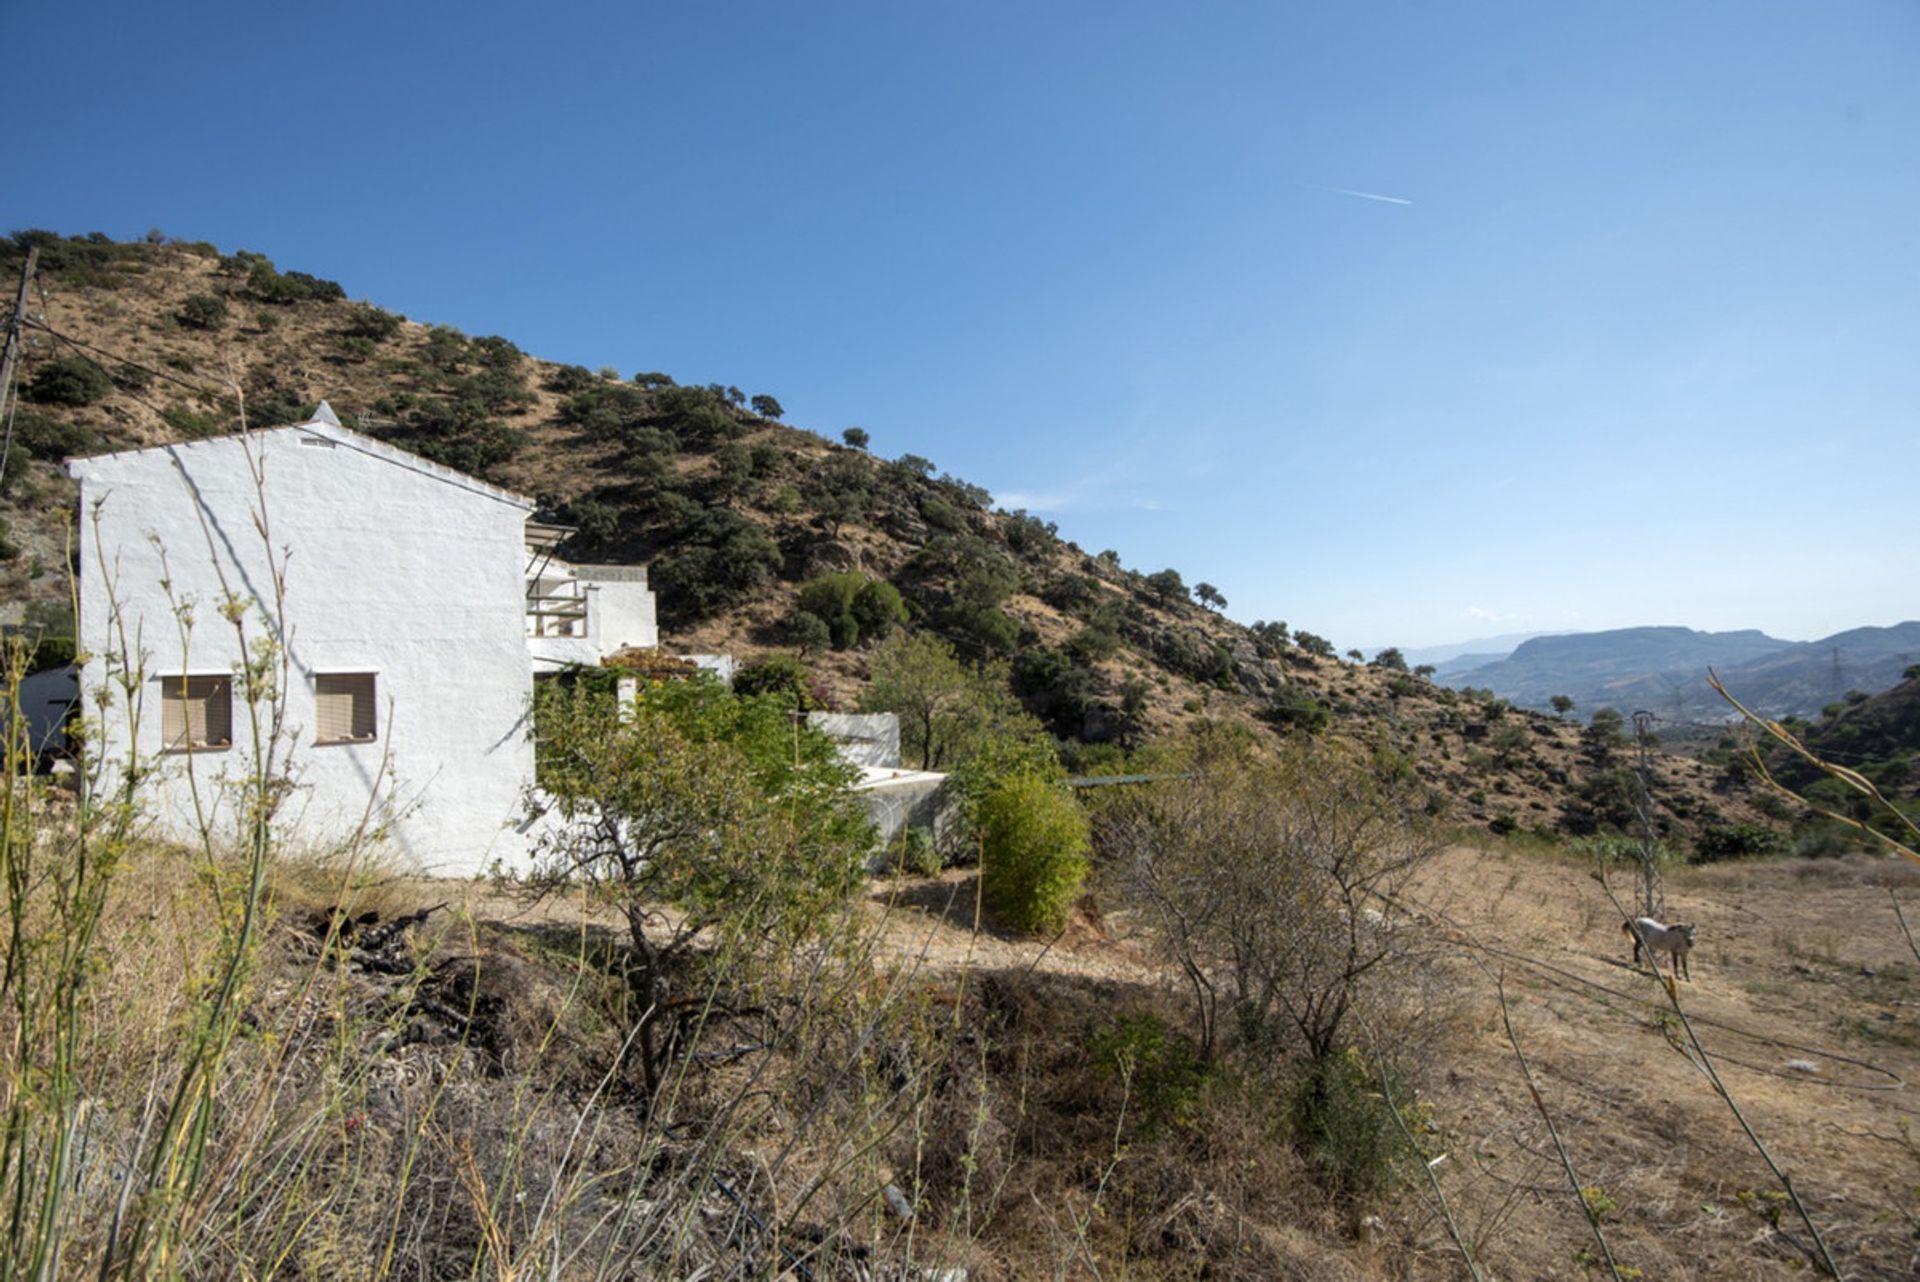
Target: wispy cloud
(1368,195)
(1034,500)
(1482,614)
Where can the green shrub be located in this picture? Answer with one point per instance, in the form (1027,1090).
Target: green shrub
(190,423)
(913,851)
(807,632)
(8,548)
(51,438)
(780,674)
(1035,841)
(1298,712)
(1738,841)
(69,380)
(1162,1077)
(203,311)
(1338,1118)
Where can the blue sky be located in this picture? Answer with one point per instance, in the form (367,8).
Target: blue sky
(1637,339)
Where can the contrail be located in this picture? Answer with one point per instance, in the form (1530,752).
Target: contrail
(1368,195)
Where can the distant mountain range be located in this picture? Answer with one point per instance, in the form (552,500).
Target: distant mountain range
(1664,670)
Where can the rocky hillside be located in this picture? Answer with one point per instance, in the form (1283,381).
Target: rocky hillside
(737,513)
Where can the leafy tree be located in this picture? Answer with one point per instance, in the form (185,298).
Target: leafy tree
(858,438)
(853,606)
(69,380)
(806,632)
(841,492)
(948,711)
(203,311)
(1055,686)
(1605,734)
(1562,704)
(1317,646)
(1208,595)
(1356,656)
(767,407)
(717,807)
(780,675)
(1425,671)
(1166,587)
(722,556)
(1034,841)
(1391,659)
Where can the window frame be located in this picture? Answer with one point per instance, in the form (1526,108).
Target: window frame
(177,692)
(353,718)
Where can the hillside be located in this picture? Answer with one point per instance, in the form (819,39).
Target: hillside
(735,512)
(1664,669)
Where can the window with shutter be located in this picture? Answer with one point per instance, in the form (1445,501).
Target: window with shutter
(343,707)
(196,713)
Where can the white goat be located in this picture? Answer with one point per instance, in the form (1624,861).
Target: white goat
(1647,933)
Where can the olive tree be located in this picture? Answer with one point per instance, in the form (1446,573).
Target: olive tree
(716,825)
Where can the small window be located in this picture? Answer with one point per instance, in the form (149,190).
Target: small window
(343,707)
(196,713)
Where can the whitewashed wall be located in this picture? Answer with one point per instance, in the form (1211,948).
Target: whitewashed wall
(392,565)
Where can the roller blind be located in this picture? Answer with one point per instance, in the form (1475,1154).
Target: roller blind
(196,712)
(343,707)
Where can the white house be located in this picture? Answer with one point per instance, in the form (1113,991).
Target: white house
(412,604)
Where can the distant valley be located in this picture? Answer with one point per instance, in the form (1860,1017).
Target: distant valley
(1664,669)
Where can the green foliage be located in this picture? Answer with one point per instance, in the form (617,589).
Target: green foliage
(1162,1077)
(720,557)
(375,324)
(1208,595)
(767,407)
(1738,841)
(1390,659)
(913,851)
(1166,587)
(949,712)
(190,423)
(806,632)
(1297,712)
(853,607)
(1561,704)
(203,311)
(779,675)
(1034,839)
(653,381)
(1055,686)
(1317,646)
(1338,1117)
(9,550)
(69,380)
(841,491)
(856,437)
(43,436)
(941,515)
(271,286)
(1029,537)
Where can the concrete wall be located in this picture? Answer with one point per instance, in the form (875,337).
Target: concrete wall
(864,738)
(620,607)
(391,565)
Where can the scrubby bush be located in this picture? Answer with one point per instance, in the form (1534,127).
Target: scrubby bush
(778,674)
(50,438)
(69,380)
(1035,841)
(854,436)
(203,311)
(1738,841)
(853,606)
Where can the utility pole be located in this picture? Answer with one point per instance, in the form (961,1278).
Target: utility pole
(18,318)
(1651,901)
(12,357)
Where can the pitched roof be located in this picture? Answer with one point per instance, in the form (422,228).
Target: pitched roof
(326,425)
